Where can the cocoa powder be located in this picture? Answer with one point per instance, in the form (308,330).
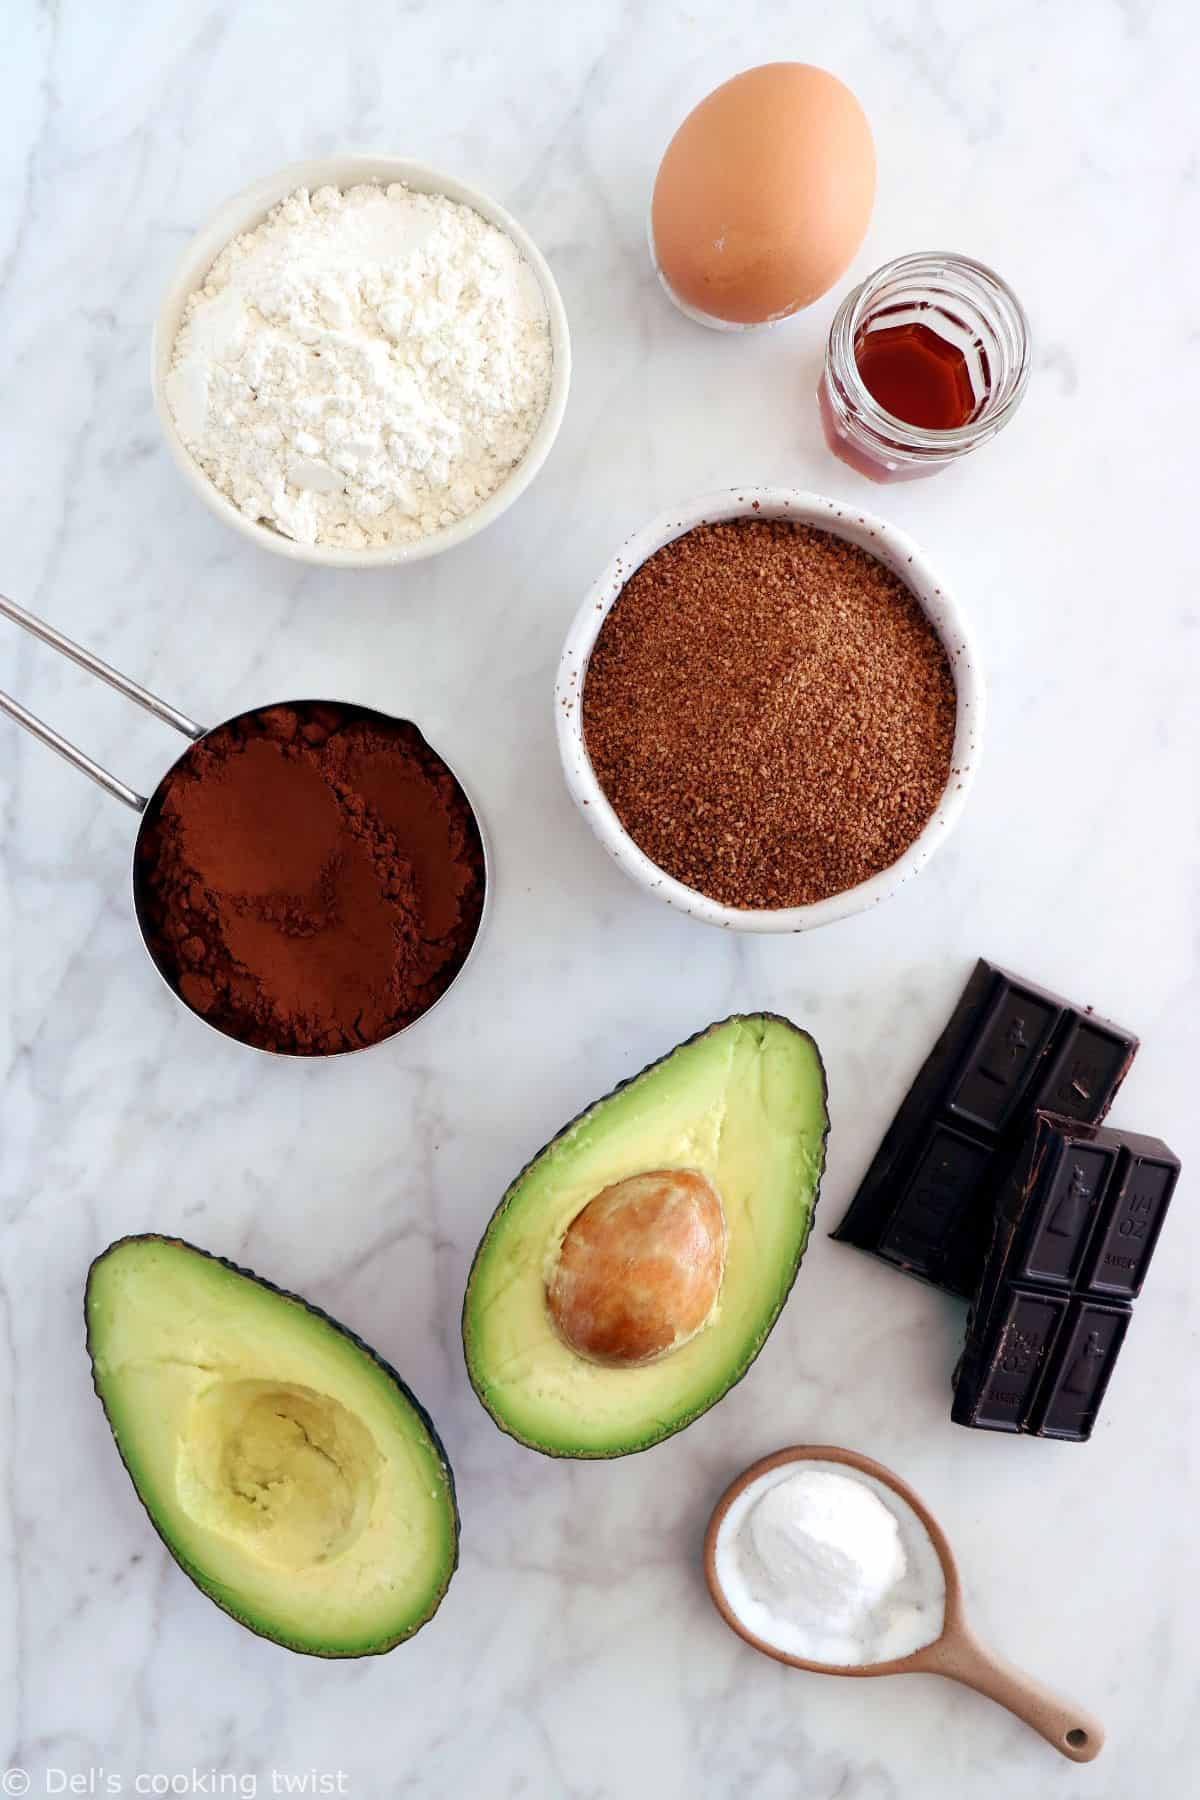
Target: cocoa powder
(769,712)
(310,877)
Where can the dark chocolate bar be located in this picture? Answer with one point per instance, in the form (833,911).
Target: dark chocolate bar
(1011,1048)
(1076,1220)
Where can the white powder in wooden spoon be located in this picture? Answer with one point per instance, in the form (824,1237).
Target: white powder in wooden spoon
(825,1563)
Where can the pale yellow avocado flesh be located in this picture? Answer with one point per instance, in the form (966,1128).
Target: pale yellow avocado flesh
(287,1470)
(745,1105)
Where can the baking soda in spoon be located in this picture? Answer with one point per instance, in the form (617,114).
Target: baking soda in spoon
(829,1565)
(824,1559)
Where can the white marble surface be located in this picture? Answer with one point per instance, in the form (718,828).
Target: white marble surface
(576,1653)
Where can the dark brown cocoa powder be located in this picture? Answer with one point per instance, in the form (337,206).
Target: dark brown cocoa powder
(770,713)
(311,877)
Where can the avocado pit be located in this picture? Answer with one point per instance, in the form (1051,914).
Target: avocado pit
(640,1268)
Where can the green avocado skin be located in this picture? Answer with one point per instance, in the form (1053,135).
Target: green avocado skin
(662,1429)
(195,1575)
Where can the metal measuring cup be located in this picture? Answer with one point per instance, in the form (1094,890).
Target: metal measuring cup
(142,804)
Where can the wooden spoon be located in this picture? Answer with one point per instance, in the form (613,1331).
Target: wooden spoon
(957,1653)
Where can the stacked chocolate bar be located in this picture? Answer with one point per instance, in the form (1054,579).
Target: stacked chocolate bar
(996,1182)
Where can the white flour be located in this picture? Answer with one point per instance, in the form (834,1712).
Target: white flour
(364,368)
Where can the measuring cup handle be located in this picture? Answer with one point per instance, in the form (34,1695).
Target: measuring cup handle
(78,759)
(54,740)
(1073,1731)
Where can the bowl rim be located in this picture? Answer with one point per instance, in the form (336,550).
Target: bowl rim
(898,552)
(246,209)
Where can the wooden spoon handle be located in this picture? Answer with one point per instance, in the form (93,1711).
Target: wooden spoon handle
(1073,1731)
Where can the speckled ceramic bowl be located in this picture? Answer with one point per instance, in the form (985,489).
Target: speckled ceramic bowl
(898,553)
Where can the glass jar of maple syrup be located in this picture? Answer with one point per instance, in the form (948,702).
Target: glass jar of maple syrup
(927,359)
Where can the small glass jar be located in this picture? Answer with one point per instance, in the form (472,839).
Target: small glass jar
(972,309)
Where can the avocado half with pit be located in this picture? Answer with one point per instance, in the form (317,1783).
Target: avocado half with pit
(632,1272)
(287,1468)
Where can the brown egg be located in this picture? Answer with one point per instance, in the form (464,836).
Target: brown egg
(640,1267)
(764,195)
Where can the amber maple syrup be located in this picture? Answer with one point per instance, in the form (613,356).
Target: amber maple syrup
(927,359)
(917,375)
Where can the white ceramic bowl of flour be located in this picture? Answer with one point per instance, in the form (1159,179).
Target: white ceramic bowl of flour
(245,213)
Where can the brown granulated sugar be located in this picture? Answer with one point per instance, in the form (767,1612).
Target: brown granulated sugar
(770,713)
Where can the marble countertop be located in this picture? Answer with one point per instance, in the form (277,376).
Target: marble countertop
(576,1654)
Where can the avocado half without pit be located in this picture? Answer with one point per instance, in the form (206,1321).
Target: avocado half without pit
(633,1271)
(287,1468)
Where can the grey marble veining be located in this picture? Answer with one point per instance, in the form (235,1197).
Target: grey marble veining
(576,1654)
